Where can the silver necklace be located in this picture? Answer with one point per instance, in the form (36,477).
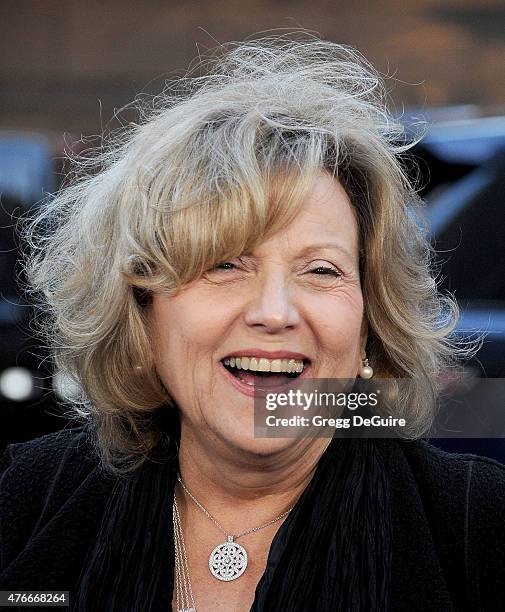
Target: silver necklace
(228,560)
(183,590)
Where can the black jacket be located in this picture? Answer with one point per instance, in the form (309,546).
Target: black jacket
(448,522)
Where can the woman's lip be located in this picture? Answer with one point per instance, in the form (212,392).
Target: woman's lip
(254,390)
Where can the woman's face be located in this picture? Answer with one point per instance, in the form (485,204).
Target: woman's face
(298,292)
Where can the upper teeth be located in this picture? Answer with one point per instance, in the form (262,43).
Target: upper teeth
(265,365)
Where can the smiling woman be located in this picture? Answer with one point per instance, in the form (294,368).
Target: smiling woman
(256,227)
(260,310)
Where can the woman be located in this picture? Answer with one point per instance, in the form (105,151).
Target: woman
(256,220)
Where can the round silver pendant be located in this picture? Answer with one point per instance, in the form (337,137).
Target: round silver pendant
(228,561)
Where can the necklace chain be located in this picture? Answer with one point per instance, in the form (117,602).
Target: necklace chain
(184,592)
(209,515)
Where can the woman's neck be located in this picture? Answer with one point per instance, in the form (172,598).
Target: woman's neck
(236,487)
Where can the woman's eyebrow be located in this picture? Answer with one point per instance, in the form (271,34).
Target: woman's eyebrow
(327,245)
(317,247)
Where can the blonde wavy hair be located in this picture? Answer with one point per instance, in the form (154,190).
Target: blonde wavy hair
(216,165)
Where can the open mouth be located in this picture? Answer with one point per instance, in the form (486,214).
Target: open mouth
(260,378)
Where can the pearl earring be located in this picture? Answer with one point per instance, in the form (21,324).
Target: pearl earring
(366,371)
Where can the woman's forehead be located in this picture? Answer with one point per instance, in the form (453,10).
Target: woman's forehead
(326,220)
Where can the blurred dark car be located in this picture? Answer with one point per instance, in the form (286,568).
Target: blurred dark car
(463,173)
(462,166)
(27,401)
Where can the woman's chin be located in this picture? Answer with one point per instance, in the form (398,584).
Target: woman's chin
(264,446)
(240,438)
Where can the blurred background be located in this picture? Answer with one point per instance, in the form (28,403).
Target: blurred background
(66,67)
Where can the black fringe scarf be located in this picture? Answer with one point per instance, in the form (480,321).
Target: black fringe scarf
(332,553)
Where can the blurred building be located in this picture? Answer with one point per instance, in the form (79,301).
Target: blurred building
(66,65)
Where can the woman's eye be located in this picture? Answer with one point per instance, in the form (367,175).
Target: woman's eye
(324,271)
(226,265)
(320,270)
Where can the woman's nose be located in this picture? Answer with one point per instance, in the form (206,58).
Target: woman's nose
(272,306)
